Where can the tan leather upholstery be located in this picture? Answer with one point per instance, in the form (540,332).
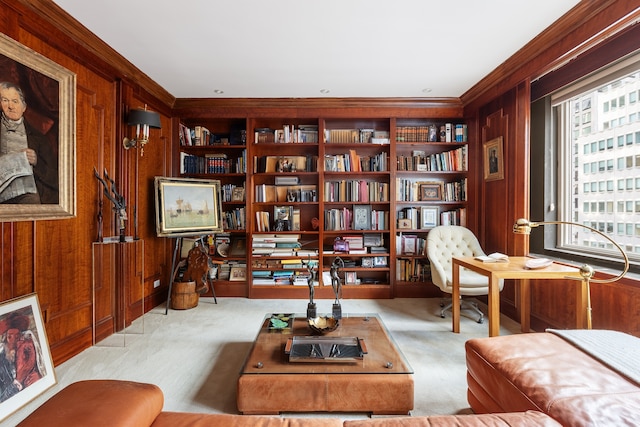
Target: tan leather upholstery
(530,418)
(99,403)
(272,394)
(541,371)
(116,403)
(182,419)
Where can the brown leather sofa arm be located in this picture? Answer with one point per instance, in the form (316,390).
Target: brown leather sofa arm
(184,419)
(99,403)
(521,419)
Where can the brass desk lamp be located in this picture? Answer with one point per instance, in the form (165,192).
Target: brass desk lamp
(524,226)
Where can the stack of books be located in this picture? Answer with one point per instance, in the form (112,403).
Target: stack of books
(275,244)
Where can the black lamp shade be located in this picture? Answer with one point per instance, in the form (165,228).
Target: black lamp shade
(144,117)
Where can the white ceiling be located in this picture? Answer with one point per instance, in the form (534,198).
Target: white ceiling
(297,48)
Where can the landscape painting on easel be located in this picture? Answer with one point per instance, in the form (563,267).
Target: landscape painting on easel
(187,207)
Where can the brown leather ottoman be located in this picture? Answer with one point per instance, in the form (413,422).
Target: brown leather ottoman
(381,382)
(544,372)
(377,394)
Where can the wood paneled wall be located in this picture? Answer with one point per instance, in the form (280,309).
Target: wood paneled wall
(501,106)
(54,257)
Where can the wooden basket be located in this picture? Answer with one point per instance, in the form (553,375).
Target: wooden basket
(184,295)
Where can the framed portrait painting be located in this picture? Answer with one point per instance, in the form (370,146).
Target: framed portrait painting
(30,372)
(37,164)
(493,159)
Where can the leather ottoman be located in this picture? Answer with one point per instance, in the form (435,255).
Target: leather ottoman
(544,372)
(371,393)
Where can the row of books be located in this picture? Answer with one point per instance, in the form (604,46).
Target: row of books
(356,190)
(413,269)
(356,136)
(287,135)
(212,163)
(270,164)
(234,219)
(232,193)
(409,190)
(454,217)
(342,219)
(411,218)
(452,160)
(280,193)
(447,132)
(201,136)
(411,245)
(455,191)
(353,162)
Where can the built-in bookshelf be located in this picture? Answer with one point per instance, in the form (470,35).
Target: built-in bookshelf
(431,185)
(217,149)
(304,193)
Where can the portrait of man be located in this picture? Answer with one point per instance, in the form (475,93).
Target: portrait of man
(28,135)
(493,161)
(25,154)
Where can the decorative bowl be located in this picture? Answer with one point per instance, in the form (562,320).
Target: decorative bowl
(322,325)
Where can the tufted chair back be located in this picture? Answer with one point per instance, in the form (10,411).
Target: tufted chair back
(445,242)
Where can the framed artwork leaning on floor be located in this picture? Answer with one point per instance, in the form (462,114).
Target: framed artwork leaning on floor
(26,367)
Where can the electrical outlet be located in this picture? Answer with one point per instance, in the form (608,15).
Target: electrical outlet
(156,284)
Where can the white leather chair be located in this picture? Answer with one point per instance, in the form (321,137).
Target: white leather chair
(445,242)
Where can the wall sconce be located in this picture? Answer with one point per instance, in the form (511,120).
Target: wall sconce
(142,120)
(524,226)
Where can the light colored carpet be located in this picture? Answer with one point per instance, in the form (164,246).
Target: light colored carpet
(195,355)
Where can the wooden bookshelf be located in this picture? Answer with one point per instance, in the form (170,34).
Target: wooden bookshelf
(317,172)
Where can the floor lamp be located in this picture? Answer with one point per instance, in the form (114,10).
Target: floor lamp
(524,226)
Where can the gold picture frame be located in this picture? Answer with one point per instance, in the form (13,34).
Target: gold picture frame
(187,206)
(50,94)
(430,191)
(22,319)
(493,159)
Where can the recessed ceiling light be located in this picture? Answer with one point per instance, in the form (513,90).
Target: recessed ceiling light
(426,90)
(324,91)
(218,91)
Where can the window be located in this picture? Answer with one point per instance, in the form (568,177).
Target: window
(598,205)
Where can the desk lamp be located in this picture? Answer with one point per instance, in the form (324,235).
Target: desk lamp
(524,226)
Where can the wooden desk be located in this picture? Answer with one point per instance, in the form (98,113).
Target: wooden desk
(514,269)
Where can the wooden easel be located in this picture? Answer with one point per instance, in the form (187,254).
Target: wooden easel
(174,264)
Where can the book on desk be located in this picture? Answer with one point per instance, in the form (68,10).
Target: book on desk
(494,257)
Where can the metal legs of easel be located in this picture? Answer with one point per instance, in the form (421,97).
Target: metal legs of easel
(174,261)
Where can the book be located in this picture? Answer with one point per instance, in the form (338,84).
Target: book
(494,257)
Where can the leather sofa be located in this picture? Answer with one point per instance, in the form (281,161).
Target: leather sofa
(116,403)
(565,379)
